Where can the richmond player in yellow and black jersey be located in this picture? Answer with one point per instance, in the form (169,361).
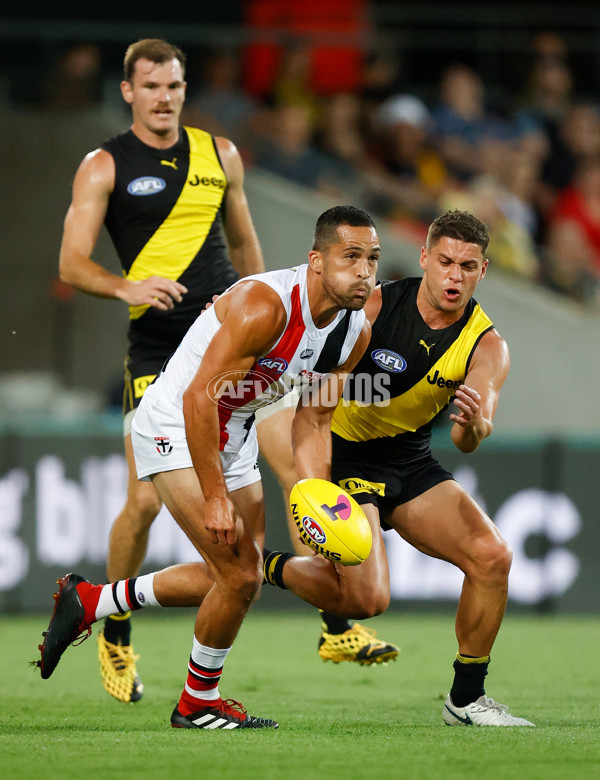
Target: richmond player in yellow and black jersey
(431,346)
(170,198)
(381,436)
(164,217)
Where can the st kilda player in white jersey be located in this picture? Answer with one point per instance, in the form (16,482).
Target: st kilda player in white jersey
(214,492)
(302,354)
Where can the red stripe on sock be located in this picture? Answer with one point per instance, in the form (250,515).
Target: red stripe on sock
(127,599)
(194,667)
(204,685)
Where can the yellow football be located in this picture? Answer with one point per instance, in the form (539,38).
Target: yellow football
(330,521)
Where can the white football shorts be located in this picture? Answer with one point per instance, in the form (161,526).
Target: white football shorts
(159,444)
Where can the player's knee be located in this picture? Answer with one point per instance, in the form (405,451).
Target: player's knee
(367,603)
(143,507)
(244,584)
(367,609)
(493,559)
(247,587)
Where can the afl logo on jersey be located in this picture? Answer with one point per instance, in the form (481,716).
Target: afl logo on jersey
(146,185)
(273,364)
(388,360)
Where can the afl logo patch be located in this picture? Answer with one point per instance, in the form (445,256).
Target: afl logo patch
(314,530)
(146,185)
(273,364)
(388,360)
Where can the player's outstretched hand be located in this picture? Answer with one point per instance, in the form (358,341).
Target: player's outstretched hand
(467,401)
(154,291)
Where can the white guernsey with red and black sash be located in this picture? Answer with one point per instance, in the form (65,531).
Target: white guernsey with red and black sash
(303,353)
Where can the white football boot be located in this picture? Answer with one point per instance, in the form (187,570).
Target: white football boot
(482,712)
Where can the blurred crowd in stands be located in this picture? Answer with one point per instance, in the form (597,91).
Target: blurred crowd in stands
(530,168)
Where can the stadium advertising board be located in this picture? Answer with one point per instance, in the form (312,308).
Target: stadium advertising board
(61,493)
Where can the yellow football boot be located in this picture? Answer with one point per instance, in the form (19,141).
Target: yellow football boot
(358,644)
(118,671)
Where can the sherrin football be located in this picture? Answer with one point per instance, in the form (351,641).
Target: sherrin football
(330,521)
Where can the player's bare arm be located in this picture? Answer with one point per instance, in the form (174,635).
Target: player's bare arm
(311,427)
(92,187)
(477,399)
(244,248)
(252,318)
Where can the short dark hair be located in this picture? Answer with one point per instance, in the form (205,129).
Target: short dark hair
(460,225)
(153,49)
(330,220)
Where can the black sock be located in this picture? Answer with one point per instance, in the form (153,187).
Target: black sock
(273,563)
(334,624)
(468,680)
(117,630)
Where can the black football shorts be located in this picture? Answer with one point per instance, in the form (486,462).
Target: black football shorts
(140,371)
(374,473)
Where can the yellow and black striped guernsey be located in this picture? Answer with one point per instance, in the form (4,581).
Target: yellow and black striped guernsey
(408,373)
(164,217)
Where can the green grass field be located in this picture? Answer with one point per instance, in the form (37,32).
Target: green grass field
(335,721)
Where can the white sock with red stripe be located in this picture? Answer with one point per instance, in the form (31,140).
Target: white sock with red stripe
(101,601)
(201,688)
